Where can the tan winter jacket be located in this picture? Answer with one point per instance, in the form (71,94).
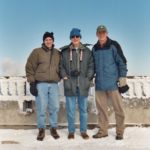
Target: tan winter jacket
(43,65)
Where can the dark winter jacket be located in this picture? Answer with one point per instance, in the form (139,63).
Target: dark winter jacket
(110,64)
(80,60)
(43,65)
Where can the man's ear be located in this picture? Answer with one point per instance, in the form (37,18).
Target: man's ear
(97,34)
(107,33)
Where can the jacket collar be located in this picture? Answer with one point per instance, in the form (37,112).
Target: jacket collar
(81,46)
(106,45)
(46,48)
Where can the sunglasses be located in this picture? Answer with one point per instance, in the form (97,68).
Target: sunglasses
(75,36)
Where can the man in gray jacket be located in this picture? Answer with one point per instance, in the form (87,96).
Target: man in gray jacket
(77,70)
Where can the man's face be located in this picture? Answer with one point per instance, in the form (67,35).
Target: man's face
(102,36)
(75,40)
(48,42)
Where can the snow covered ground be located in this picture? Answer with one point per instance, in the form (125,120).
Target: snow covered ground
(135,138)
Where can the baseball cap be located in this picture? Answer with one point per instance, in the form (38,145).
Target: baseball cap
(101,28)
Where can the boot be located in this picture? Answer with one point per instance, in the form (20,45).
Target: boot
(41,134)
(54,133)
(119,136)
(84,135)
(71,136)
(100,134)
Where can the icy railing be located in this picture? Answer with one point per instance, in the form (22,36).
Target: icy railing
(17,89)
(139,88)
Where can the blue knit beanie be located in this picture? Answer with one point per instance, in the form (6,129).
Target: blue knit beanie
(75,32)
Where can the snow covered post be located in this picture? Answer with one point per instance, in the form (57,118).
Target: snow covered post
(12,88)
(4,86)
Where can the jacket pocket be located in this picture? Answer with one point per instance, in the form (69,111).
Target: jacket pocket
(54,74)
(42,68)
(85,83)
(67,84)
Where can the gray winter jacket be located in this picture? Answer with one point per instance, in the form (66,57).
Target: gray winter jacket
(81,61)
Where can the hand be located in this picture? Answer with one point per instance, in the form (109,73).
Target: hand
(123,87)
(122,81)
(33,89)
(65,78)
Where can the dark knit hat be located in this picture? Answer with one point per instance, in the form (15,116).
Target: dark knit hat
(75,32)
(48,34)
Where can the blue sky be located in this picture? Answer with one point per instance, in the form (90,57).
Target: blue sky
(23,22)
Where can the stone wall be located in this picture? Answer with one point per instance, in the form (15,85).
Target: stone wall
(14,93)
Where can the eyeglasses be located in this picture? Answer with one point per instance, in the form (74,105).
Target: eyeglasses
(75,36)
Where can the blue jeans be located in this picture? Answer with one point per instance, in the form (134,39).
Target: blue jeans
(71,109)
(47,98)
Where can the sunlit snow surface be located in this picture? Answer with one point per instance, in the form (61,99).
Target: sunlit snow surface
(135,138)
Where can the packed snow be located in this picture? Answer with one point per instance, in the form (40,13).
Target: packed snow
(135,138)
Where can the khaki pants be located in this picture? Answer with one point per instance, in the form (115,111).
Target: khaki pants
(101,101)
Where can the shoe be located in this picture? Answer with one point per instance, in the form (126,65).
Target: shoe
(71,136)
(41,134)
(100,134)
(54,133)
(84,135)
(119,137)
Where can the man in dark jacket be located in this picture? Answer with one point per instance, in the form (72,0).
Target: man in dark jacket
(77,70)
(42,70)
(111,71)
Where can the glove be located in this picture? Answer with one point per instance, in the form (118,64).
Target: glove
(33,89)
(123,87)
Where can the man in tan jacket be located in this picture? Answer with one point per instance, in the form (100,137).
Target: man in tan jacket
(42,71)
